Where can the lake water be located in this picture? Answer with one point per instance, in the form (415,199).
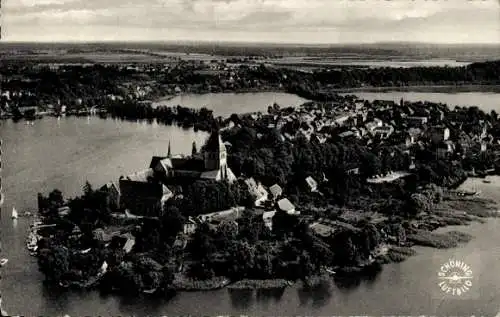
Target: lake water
(487,101)
(225,104)
(396,63)
(65,153)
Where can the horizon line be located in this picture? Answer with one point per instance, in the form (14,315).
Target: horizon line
(212,42)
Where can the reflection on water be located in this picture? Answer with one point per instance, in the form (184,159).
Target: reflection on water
(241,298)
(350,281)
(245,298)
(225,104)
(272,294)
(316,296)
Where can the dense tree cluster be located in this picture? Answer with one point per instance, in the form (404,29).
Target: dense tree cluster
(200,119)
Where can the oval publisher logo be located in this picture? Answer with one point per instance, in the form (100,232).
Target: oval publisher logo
(455,278)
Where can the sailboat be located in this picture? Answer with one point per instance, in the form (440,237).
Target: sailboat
(14,213)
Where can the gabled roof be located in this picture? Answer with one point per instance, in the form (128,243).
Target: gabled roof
(276,190)
(142,176)
(106,187)
(155,160)
(311,182)
(285,205)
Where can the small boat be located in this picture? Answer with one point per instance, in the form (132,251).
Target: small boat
(486,181)
(149,291)
(330,271)
(14,213)
(3,261)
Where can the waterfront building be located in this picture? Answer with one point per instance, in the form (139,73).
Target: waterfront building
(145,192)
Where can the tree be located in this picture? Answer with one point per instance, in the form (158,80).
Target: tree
(54,262)
(419,203)
(56,198)
(194,149)
(172,222)
(87,189)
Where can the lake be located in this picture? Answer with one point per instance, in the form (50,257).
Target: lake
(367,62)
(225,104)
(64,154)
(486,101)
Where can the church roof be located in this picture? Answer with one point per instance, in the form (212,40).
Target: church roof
(214,143)
(155,160)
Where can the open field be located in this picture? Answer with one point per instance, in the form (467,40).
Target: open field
(399,54)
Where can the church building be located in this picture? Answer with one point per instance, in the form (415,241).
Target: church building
(145,192)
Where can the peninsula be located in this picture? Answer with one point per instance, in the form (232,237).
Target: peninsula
(335,187)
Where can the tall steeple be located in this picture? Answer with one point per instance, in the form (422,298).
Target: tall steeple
(169,154)
(214,152)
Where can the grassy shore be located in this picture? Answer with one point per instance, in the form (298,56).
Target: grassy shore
(183,283)
(396,254)
(260,284)
(446,240)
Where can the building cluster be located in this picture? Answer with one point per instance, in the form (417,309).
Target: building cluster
(144,193)
(407,126)
(404,125)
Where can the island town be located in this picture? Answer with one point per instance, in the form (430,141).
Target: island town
(325,190)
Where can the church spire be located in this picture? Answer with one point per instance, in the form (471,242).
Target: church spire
(169,154)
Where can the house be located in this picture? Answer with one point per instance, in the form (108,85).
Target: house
(286,206)
(112,194)
(383,131)
(370,126)
(218,216)
(465,142)
(437,115)
(439,134)
(143,194)
(63,211)
(353,171)
(412,136)
(313,185)
(267,217)
(415,121)
(444,149)
(347,134)
(276,191)
(257,191)
(189,226)
(28,110)
(341,119)
(130,242)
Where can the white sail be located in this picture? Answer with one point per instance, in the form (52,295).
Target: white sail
(14,213)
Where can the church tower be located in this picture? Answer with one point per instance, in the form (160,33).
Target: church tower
(215,154)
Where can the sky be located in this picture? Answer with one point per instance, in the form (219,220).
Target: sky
(279,21)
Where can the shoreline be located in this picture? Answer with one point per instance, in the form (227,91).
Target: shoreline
(452,211)
(449,89)
(445,89)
